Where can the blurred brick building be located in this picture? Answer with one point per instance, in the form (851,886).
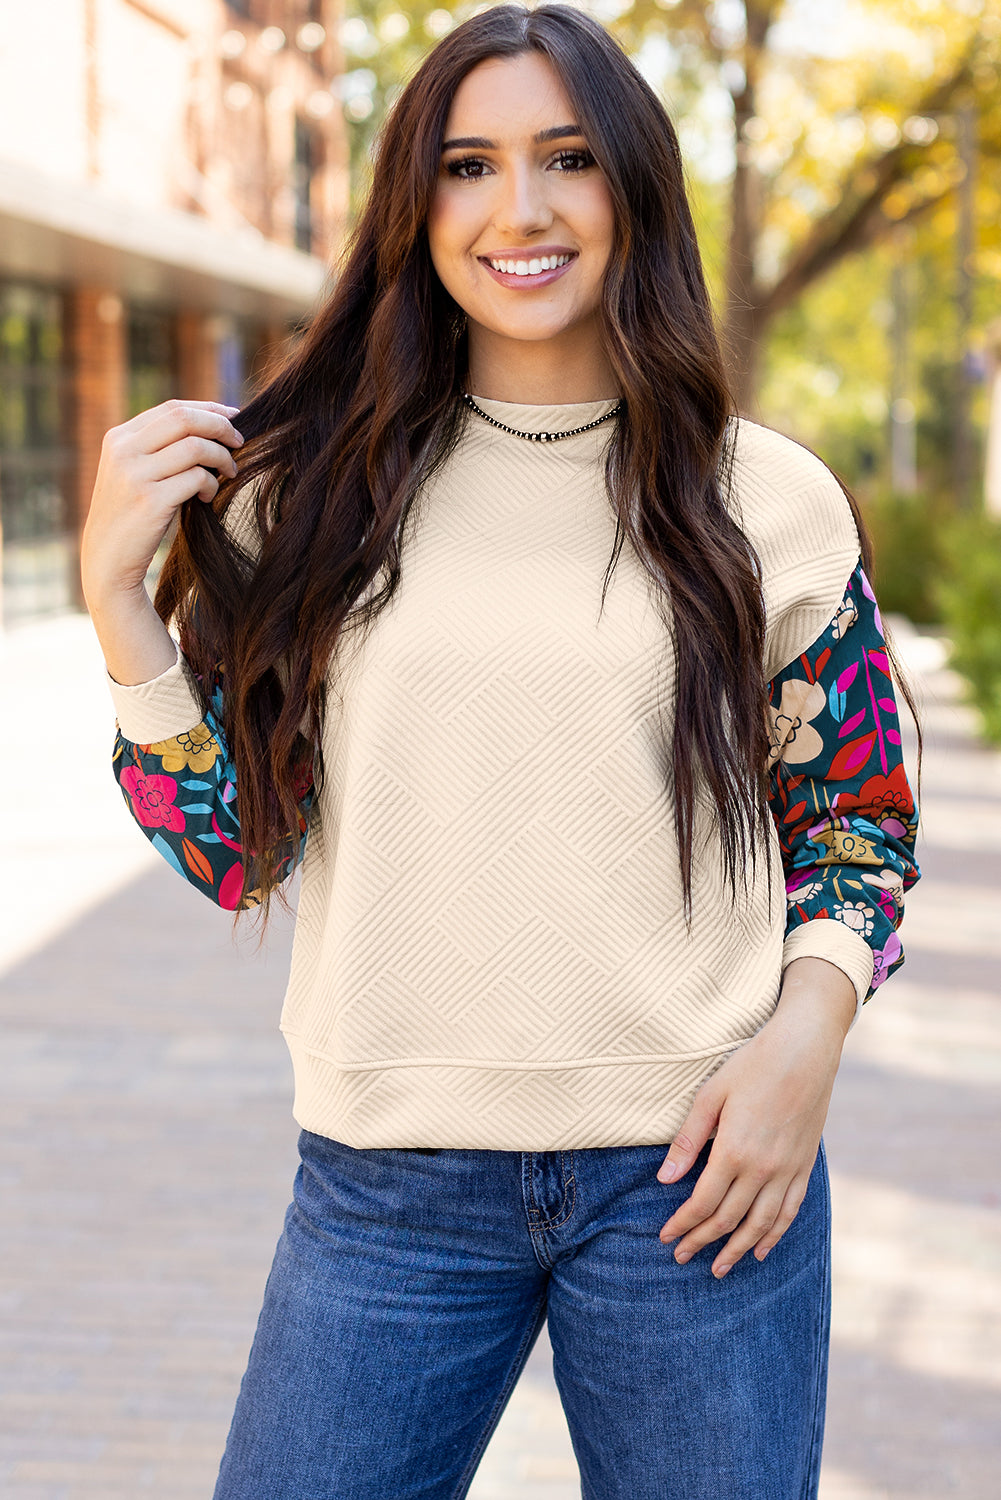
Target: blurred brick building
(173,182)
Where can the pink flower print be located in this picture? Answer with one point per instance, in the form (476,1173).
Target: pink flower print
(867,591)
(152,800)
(230,887)
(792,738)
(884,958)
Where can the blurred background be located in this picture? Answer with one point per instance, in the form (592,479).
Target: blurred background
(177,178)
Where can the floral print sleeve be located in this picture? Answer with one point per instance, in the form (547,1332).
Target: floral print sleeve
(839,794)
(182,793)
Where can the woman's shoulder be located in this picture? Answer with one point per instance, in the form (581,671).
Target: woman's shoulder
(785,496)
(797,516)
(770,463)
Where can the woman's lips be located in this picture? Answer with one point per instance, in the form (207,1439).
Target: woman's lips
(528,282)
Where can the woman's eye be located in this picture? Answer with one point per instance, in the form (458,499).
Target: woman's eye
(473,168)
(469,168)
(573,161)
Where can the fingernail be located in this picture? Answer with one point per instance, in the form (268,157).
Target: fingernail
(238,435)
(721,1272)
(668,1171)
(682,1255)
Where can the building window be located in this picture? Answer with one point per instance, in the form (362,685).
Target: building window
(302,178)
(238,343)
(39,545)
(152,358)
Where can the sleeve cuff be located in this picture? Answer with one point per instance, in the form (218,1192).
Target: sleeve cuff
(825,937)
(157,710)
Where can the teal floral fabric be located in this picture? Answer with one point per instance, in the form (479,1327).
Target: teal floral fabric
(839,794)
(182,793)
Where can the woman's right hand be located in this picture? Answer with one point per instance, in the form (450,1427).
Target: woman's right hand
(149,467)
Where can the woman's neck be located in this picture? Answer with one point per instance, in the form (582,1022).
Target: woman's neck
(553,372)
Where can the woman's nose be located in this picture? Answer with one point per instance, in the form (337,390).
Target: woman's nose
(524,208)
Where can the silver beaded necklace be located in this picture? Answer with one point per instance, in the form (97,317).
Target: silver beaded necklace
(539,437)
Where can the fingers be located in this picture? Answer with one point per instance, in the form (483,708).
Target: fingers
(163,427)
(174,438)
(753,1209)
(190,484)
(763,1225)
(175,421)
(154,413)
(746,1212)
(702,1120)
(758,1219)
(705,1207)
(183,441)
(187,454)
(791,1204)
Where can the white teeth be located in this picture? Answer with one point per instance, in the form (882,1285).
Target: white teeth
(533,267)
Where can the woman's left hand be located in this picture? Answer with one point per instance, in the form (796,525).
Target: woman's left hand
(767,1104)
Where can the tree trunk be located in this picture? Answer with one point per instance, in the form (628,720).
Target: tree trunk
(741,325)
(742,346)
(743,321)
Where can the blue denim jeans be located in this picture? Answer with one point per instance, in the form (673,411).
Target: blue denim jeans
(409,1286)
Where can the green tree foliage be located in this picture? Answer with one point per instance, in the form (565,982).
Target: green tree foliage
(970,595)
(823,148)
(818,126)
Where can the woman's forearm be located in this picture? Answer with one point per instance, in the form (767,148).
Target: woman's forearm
(134,640)
(814,990)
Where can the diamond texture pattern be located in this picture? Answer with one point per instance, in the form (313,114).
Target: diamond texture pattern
(490,950)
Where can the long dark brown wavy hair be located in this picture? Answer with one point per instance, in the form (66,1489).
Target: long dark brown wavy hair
(367,406)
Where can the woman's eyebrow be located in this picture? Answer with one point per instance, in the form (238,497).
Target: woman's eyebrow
(479,142)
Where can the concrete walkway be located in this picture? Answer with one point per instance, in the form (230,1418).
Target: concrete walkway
(147,1146)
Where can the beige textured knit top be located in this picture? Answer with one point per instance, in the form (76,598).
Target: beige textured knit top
(490,949)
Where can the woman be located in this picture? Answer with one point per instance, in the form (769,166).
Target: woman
(559,674)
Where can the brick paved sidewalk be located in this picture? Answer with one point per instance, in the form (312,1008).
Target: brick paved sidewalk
(147,1148)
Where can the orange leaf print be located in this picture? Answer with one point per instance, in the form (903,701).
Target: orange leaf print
(851,758)
(196,861)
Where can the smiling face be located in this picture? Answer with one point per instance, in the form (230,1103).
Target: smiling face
(522,225)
